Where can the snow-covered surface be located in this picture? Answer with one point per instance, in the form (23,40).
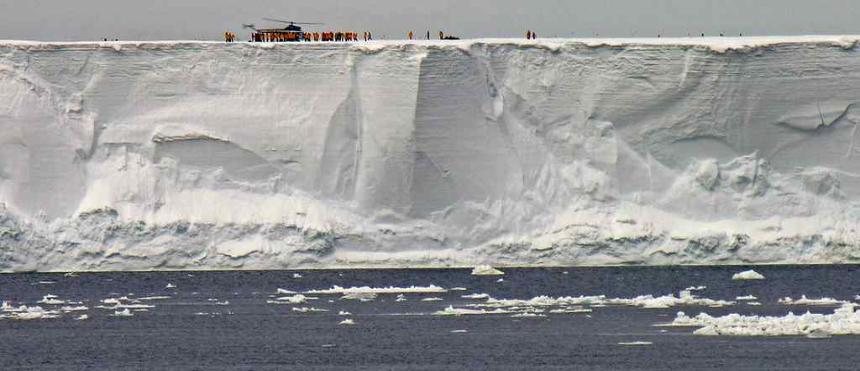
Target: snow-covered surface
(205,155)
(747,275)
(843,321)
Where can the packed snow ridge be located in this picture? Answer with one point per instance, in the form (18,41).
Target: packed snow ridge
(201,155)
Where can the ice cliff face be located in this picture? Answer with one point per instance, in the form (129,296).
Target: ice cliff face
(209,156)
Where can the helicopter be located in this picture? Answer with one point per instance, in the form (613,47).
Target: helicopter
(292,32)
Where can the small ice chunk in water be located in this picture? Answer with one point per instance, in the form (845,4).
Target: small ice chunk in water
(285,292)
(459,331)
(500,280)
(747,275)
(635,343)
(82,317)
(400,298)
(464,289)
(348,322)
(296,275)
(344,313)
(746,298)
(486,270)
(122,313)
(309,310)
(170,286)
(432,299)
(476,296)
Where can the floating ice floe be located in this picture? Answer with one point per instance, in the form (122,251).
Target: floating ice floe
(807,301)
(308,309)
(635,343)
(486,270)
(148,298)
(348,322)
(843,321)
(344,313)
(451,311)
(26,313)
(432,299)
(500,280)
(432,289)
(295,299)
(170,286)
(476,296)
(360,296)
(285,292)
(122,313)
(746,298)
(459,331)
(400,298)
(296,275)
(747,275)
(70,274)
(80,308)
(51,300)
(464,289)
(82,317)
(528,315)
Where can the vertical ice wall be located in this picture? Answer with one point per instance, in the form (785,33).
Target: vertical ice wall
(206,155)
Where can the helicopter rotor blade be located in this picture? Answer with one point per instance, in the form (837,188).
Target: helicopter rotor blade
(291,22)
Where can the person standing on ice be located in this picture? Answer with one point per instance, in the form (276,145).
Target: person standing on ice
(410,35)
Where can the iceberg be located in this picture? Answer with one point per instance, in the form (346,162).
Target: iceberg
(486,270)
(206,155)
(747,275)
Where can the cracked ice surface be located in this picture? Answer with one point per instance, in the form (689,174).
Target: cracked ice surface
(195,155)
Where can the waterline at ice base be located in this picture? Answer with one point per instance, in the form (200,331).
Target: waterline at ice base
(203,155)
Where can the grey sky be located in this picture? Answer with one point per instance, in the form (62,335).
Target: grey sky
(208,19)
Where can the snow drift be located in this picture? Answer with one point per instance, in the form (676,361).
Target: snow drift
(196,155)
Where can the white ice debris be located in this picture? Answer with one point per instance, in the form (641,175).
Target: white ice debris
(432,299)
(635,343)
(431,289)
(746,298)
(82,317)
(459,331)
(348,322)
(400,298)
(451,311)
(297,275)
(500,280)
(809,302)
(486,270)
(476,296)
(264,168)
(457,289)
(363,296)
(73,308)
(843,321)
(170,286)
(24,312)
(578,304)
(148,298)
(309,309)
(747,275)
(122,313)
(344,313)
(295,299)
(286,292)
(51,300)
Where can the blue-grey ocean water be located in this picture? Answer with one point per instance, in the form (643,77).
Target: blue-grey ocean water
(222,321)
